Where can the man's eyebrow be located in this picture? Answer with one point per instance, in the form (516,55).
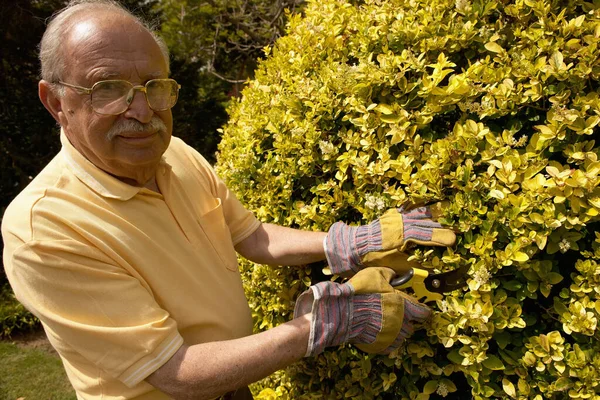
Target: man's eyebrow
(106,75)
(155,75)
(112,75)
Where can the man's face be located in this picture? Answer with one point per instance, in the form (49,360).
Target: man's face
(114,47)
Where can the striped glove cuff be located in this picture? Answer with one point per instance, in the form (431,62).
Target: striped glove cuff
(345,245)
(339,316)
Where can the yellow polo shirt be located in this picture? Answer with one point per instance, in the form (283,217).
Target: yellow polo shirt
(121,276)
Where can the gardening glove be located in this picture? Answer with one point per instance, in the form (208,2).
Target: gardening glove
(366,311)
(381,243)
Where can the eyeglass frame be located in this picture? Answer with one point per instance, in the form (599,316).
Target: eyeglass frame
(142,88)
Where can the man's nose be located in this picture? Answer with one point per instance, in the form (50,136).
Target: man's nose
(139,108)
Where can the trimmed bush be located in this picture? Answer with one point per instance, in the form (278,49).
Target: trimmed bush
(491,105)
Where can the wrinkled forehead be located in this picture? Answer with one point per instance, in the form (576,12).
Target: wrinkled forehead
(111,41)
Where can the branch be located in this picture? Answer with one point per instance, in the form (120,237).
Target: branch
(277,14)
(211,64)
(236,22)
(212,71)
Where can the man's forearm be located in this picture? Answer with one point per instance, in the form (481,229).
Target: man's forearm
(208,370)
(277,245)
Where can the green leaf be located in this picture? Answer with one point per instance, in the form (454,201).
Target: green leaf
(488,391)
(493,363)
(455,357)
(512,285)
(430,387)
(562,384)
(553,278)
(560,308)
(503,338)
(450,386)
(510,357)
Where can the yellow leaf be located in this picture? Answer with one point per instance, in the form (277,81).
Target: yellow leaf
(535,183)
(384,109)
(545,131)
(557,61)
(552,171)
(519,256)
(496,194)
(494,47)
(541,241)
(509,388)
(595,201)
(390,118)
(592,121)
(560,366)
(524,387)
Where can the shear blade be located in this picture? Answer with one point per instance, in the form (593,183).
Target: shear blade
(447,281)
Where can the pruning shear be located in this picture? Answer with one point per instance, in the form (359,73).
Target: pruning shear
(430,287)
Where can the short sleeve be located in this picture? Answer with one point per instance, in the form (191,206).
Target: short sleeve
(99,311)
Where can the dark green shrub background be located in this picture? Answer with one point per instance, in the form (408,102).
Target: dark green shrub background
(491,105)
(14,318)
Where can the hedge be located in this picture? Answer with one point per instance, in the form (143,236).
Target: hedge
(491,105)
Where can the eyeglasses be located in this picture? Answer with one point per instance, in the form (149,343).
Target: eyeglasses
(113,97)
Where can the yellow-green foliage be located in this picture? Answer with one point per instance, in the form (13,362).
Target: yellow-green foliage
(492,105)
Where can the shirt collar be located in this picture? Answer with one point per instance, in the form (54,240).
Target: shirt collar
(96,179)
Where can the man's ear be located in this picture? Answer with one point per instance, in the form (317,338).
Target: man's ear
(50,100)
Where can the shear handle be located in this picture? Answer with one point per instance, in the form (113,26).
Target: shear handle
(402,279)
(416,279)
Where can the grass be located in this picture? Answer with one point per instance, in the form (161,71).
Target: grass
(29,370)
(31,374)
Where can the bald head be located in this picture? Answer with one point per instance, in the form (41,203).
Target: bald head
(108,45)
(78,19)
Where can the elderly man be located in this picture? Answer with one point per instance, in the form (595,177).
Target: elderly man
(125,245)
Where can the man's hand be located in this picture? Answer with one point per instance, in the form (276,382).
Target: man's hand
(382,242)
(366,311)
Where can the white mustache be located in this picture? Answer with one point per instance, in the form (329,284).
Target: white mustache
(131,125)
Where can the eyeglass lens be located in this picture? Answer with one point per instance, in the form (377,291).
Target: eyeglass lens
(114,97)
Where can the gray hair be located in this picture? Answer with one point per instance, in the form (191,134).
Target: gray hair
(52,59)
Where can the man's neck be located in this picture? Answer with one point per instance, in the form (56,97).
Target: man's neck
(152,185)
